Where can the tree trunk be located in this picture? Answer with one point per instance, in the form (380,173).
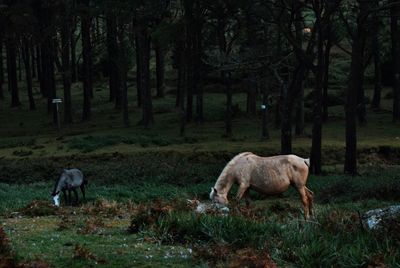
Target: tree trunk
(395,37)
(12,73)
(144,56)
(1,68)
(74,66)
(27,62)
(289,98)
(190,84)
(66,64)
(299,128)
(138,70)
(122,68)
(178,56)
(19,52)
(325,113)
(356,76)
(376,100)
(160,69)
(316,156)
(228,120)
(181,87)
(33,60)
(198,74)
(86,56)
(112,49)
(299,122)
(264,111)
(39,66)
(251,107)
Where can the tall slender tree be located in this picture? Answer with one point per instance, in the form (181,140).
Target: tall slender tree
(65,58)
(395,38)
(26,45)
(12,71)
(355,78)
(87,60)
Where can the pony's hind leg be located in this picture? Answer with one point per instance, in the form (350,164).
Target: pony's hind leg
(310,196)
(304,200)
(83,191)
(76,195)
(65,197)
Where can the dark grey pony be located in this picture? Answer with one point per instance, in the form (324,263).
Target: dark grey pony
(70,180)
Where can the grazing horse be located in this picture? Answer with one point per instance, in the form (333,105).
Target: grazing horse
(267,175)
(69,180)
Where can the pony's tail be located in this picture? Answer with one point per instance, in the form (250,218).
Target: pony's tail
(307,161)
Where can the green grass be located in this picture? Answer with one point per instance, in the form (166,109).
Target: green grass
(99,227)
(31,134)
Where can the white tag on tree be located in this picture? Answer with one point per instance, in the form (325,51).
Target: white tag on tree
(263,106)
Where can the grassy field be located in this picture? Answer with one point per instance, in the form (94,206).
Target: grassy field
(167,233)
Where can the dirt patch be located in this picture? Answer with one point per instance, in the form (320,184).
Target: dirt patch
(38,208)
(223,255)
(7,257)
(81,252)
(341,221)
(148,214)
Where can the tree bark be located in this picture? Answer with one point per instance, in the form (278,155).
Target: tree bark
(376,99)
(395,38)
(39,66)
(12,73)
(316,155)
(228,124)
(325,112)
(1,68)
(160,69)
(122,68)
(355,78)
(289,98)
(28,71)
(181,86)
(299,122)
(74,66)
(251,107)
(138,70)
(112,49)
(264,113)
(87,58)
(198,74)
(66,64)
(33,61)
(144,59)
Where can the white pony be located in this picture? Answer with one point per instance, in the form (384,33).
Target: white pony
(267,175)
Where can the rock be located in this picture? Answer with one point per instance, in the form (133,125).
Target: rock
(376,218)
(205,208)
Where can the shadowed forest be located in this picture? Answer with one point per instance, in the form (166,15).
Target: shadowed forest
(151,99)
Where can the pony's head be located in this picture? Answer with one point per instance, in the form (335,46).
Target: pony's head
(218,197)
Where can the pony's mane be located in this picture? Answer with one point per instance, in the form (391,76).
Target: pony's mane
(222,179)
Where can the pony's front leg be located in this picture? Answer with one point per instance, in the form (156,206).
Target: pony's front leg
(76,196)
(243,192)
(65,196)
(69,197)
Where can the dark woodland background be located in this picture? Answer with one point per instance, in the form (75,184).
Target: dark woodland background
(294,58)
